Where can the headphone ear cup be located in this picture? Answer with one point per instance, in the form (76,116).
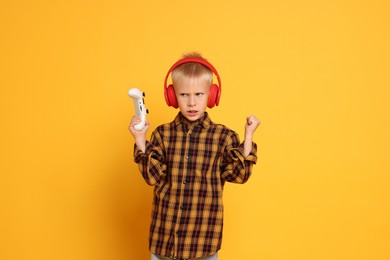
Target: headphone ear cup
(170,97)
(213,96)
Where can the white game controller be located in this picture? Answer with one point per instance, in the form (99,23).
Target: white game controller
(139,106)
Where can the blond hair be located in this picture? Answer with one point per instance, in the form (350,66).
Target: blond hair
(192,70)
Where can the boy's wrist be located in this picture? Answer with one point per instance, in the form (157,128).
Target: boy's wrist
(140,142)
(248,135)
(140,138)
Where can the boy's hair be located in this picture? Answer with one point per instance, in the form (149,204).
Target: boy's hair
(192,70)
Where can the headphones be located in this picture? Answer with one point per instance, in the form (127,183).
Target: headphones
(215,90)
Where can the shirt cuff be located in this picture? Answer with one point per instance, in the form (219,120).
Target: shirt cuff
(252,156)
(139,154)
(238,154)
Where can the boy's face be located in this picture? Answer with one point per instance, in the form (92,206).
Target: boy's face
(192,95)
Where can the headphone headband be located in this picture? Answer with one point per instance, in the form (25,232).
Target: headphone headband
(195,60)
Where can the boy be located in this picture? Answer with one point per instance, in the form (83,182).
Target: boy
(188,162)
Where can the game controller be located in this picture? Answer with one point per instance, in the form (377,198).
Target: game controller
(139,106)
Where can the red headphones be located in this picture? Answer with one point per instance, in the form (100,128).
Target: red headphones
(215,90)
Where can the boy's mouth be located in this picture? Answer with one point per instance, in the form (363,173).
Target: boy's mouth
(192,112)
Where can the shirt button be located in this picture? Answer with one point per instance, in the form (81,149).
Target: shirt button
(186,157)
(184,182)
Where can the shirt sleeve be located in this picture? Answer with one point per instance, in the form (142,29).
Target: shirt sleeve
(236,167)
(151,163)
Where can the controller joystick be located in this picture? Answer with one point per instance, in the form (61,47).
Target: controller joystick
(139,106)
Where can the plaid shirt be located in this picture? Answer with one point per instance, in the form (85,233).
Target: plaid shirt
(188,164)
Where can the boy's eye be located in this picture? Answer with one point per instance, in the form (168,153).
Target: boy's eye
(186,95)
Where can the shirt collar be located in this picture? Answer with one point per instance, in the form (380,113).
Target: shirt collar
(204,121)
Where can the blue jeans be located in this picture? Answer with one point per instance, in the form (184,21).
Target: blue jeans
(211,257)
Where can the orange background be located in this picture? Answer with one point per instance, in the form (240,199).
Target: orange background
(315,72)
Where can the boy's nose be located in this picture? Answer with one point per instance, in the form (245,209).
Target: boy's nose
(191,102)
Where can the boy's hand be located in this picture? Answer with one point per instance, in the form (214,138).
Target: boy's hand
(251,124)
(138,133)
